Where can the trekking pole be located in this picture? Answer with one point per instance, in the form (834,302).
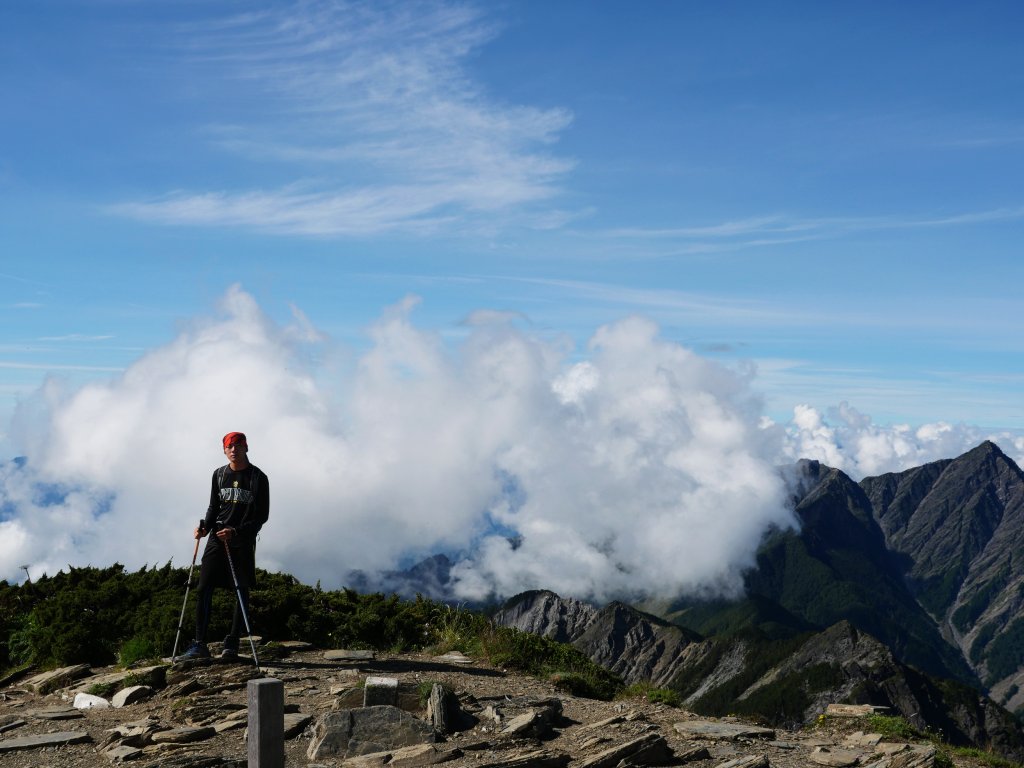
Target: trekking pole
(188,586)
(241,606)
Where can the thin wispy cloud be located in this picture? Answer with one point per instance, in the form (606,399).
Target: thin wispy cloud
(372,110)
(76,337)
(779,229)
(58,367)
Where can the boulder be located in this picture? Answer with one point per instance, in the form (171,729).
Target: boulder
(131,695)
(443,710)
(47,682)
(352,732)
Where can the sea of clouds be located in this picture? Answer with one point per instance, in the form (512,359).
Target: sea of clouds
(634,466)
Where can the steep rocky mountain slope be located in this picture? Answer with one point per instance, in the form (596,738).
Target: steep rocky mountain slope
(785,681)
(837,567)
(924,568)
(637,647)
(959,527)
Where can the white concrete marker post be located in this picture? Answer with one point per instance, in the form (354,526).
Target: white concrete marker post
(266,723)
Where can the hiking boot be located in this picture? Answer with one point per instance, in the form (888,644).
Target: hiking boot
(230,651)
(197,650)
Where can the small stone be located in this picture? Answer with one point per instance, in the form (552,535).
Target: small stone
(836,758)
(692,754)
(861,739)
(295,723)
(380,690)
(604,723)
(10,722)
(748,761)
(519,725)
(649,749)
(122,753)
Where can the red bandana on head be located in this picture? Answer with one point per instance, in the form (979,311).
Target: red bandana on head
(234,437)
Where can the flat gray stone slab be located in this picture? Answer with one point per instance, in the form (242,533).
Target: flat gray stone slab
(709,729)
(54,713)
(340,654)
(295,645)
(455,657)
(10,722)
(44,740)
(183,735)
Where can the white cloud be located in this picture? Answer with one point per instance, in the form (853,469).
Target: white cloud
(641,469)
(371,109)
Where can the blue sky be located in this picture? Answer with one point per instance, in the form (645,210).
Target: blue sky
(587,272)
(829,191)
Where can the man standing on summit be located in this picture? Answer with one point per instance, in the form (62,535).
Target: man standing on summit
(239,506)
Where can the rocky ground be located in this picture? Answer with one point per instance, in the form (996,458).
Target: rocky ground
(194,715)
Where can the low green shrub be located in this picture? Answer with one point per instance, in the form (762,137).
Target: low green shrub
(654,695)
(541,657)
(137,649)
(892,727)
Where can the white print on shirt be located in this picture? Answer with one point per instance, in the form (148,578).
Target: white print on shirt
(236,495)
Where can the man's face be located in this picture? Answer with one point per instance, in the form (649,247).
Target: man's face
(237,452)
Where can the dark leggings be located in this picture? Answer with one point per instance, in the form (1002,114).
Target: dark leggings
(204,604)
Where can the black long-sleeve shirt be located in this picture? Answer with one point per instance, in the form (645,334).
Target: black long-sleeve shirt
(239,500)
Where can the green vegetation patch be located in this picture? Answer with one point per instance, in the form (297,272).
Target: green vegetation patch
(99,616)
(1005,654)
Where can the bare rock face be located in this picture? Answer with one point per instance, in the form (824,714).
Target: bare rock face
(636,646)
(544,613)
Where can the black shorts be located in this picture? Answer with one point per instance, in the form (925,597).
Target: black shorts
(215,571)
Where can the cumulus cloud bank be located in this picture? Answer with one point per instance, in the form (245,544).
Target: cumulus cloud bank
(632,467)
